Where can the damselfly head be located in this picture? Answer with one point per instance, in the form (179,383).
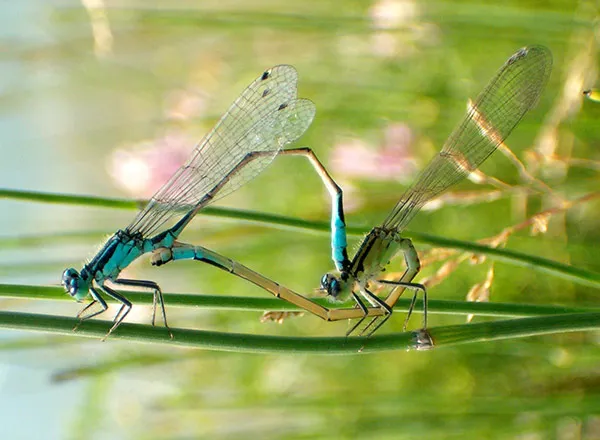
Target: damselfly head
(335,285)
(76,284)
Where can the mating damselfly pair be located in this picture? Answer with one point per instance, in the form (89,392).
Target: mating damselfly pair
(265,118)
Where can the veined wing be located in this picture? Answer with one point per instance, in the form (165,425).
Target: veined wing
(263,119)
(514,90)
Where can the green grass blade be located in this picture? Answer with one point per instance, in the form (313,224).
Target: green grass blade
(259,304)
(442,336)
(560,270)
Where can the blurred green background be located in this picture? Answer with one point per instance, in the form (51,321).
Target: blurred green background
(107,98)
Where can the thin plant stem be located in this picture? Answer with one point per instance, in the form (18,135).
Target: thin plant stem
(259,304)
(560,270)
(441,336)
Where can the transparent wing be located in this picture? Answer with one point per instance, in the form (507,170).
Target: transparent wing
(490,119)
(265,118)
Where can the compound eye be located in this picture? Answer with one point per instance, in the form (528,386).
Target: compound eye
(68,275)
(70,280)
(334,288)
(325,282)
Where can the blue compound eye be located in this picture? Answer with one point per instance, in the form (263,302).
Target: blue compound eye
(334,288)
(70,281)
(325,282)
(331,285)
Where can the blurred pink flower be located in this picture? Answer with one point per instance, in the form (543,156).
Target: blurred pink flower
(141,169)
(392,161)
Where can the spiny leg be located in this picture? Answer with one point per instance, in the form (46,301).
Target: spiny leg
(157,296)
(123,311)
(417,287)
(413,265)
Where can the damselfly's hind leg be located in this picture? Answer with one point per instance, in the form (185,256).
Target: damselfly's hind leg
(413,265)
(157,297)
(417,288)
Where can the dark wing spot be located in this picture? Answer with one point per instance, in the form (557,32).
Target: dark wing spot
(282,106)
(520,54)
(265,75)
(266,92)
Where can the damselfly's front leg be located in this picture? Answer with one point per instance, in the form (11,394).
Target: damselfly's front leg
(375,301)
(97,298)
(365,311)
(123,310)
